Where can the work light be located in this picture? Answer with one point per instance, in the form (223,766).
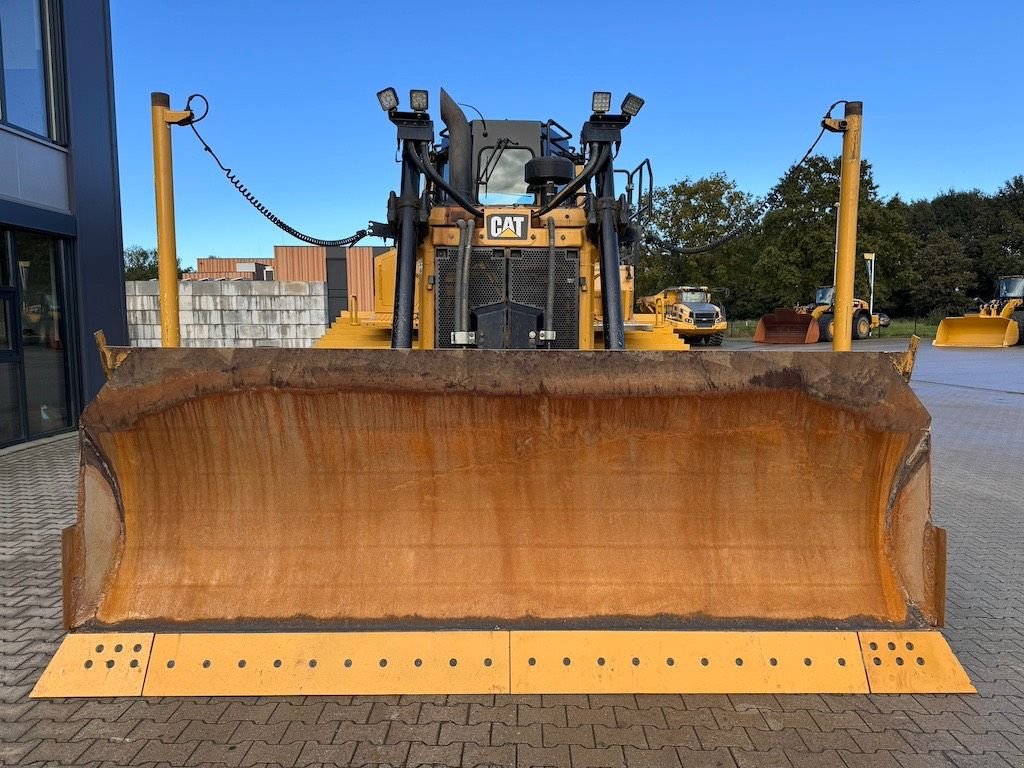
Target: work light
(601,102)
(388,99)
(419,100)
(632,104)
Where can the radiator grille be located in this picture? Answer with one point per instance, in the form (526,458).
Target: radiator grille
(517,275)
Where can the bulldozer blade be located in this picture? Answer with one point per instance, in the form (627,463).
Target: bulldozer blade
(786,326)
(272,489)
(977,331)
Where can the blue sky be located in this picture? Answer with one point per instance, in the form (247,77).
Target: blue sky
(736,87)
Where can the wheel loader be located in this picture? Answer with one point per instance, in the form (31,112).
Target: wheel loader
(998,323)
(491,504)
(689,311)
(811,323)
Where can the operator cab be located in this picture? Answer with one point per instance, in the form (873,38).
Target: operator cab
(824,296)
(1011,287)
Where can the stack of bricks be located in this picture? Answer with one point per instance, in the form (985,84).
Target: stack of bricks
(232,313)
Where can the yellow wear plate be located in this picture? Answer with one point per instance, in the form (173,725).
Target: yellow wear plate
(912,662)
(686,662)
(334,663)
(97,665)
(322,663)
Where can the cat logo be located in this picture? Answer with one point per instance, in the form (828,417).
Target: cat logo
(507,226)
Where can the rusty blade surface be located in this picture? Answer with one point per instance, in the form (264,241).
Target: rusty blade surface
(477,489)
(786,326)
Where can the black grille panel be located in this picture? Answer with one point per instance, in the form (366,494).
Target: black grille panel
(704,319)
(517,275)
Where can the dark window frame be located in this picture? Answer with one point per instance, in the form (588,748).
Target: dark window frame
(54,77)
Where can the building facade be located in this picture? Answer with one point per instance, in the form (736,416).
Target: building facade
(61,261)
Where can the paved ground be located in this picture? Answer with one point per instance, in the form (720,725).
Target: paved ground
(976,398)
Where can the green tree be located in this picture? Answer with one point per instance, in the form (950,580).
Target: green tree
(141,264)
(945,281)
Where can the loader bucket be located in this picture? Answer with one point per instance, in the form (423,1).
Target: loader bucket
(977,331)
(455,489)
(786,326)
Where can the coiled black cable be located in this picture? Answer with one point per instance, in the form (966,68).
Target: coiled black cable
(771,201)
(255,201)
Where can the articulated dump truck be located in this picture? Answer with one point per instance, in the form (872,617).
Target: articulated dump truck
(492,504)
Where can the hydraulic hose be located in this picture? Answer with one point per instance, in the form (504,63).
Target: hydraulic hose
(459,327)
(466,268)
(427,169)
(549,308)
(598,157)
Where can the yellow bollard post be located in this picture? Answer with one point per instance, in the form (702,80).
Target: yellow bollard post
(166,248)
(849,194)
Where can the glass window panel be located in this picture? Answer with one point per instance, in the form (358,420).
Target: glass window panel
(6,326)
(21,43)
(42,333)
(5,261)
(10,404)
(502,179)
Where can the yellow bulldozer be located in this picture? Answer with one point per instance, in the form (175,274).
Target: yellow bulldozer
(689,311)
(998,323)
(811,323)
(492,504)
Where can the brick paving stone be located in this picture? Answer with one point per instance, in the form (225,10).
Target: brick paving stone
(979,761)
(682,736)
(746,719)
(874,742)
(502,734)
(710,738)
(662,757)
(824,741)
(486,713)
(385,713)
(323,733)
(204,711)
(591,757)
(986,742)
(377,754)
(677,719)
(12,731)
(447,713)
(252,713)
(102,729)
(375,733)
(591,716)
(119,752)
(153,711)
(221,754)
(479,734)
(581,735)
(267,733)
(720,757)
(159,731)
(432,755)
(831,721)
(101,710)
(770,758)
(778,720)
(56,751)
(549,757)
(632,735)
(830,759)
(884,721)
(651,716)
(872,760)
(425,733)
(544,715)
(346,713)
(659,700)
(940,741)
(296,711)
(200,730)
(314,753)
(471,698)
(787,739)
(926,760)
(474,755)
(11,752)
(158,752)
(261,753)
